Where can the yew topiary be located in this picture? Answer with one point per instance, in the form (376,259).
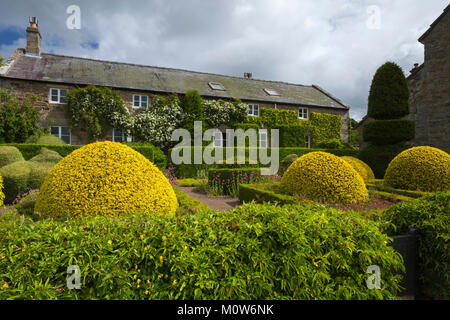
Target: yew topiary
(389,93)
(105,179)
(362,168)
(419,168)
(324,177)
(9,154)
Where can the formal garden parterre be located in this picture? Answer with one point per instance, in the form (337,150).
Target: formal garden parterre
(117,210)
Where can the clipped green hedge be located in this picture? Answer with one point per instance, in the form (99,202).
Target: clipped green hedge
(292,136)
(152,153)
(382,132)
(254,252)
(389,93)
(260,194)
(15,179)
(9,154)
(430,215)
(379,157)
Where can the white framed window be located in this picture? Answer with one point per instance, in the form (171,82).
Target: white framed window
(140,101)
(216,86)
(253,110)
(119,136)
(61,132)
(263,139)
(57,95)
(308,141)
(303,113)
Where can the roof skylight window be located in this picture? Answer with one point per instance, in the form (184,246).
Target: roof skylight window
(272,92)
(216,86)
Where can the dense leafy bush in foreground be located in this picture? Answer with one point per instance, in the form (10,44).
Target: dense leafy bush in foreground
(431,215)
(252,252)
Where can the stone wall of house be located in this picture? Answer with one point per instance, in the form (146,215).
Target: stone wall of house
(54,114)
(430,89)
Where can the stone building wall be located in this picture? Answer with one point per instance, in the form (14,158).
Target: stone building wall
(430,89)
(54,114)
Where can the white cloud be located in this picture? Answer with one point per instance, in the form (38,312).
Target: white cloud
(324,42)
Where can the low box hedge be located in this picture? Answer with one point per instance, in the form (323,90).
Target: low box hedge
(252,192)
(152,153)
(378,185)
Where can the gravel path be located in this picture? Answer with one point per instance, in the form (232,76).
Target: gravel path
(223,203)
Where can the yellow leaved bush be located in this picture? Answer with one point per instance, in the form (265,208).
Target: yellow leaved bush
(324,177)
(419,168)
(361,167)
(105,179)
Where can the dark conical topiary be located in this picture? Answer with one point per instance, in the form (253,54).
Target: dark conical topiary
(389,93)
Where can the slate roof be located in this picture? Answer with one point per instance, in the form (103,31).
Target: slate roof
(74,70)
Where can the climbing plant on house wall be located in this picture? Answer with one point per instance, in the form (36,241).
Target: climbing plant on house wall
(96,111)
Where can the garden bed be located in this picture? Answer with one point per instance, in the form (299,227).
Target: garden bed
(270,192)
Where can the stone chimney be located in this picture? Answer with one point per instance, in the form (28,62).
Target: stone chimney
(34,38)
(247,75)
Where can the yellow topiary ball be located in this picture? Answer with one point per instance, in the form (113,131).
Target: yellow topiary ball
(419,168)
(361,167)
(322,176)
(105,179)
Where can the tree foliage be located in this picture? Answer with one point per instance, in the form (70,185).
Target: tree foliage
(18,120)
(389,93)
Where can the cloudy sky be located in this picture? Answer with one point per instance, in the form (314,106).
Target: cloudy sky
(337,44)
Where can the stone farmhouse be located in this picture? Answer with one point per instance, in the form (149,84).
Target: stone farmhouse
(429,85)
(30,72)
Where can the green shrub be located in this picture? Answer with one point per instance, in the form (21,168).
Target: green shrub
(9,154)
(15,179)
(192,105)
(190,182)
(292,135)
(188,204)
(430,215)
(227,181)
(419,168)
(45,139)
(39,171)
(18,121)
(389,93)
(363,169)
(246,126)
(254,252)
(46,156)
(379,157)
(151,152)
(321,176)
(252,192)
(331,144)
(383,132)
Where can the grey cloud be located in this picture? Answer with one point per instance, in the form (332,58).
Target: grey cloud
(312,41)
